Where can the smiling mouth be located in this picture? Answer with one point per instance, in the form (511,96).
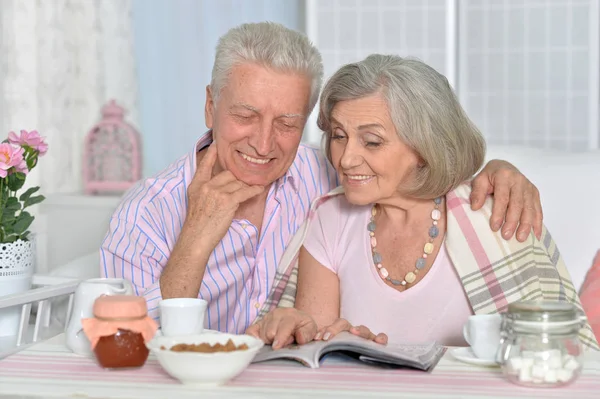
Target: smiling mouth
(357,180)
(257,161)
(358,177)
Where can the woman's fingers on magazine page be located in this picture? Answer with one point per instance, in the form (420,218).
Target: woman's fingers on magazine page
(306,329)
(266,329)
(381,338)
(281,327)
(334,329)
(366,333)
(282,331)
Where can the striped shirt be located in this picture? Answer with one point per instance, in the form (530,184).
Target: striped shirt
(144,229)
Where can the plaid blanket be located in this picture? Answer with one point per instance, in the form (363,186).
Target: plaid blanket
(494,272)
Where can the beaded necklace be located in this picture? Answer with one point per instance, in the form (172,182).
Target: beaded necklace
(410,277)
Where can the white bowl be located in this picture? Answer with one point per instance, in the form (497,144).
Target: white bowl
(204,369)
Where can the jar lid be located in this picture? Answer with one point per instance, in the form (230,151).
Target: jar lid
(543,312)
(120,307)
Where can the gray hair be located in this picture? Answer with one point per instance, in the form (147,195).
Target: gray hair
(271,45)
(426,114)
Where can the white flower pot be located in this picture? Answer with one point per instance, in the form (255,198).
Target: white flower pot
(17,264)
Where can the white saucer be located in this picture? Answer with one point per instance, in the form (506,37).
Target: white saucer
(466,355)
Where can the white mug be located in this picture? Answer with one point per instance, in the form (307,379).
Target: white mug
(482,332)
(182,316)
(83,307)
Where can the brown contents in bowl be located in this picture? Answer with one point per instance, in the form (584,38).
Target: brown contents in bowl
(208,348)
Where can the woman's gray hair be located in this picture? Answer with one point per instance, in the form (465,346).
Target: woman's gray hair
(271,45)
(426,114)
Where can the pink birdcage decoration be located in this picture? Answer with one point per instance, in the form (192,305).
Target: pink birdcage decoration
(112,154)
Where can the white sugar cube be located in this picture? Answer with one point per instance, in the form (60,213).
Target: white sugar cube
(555,362)
(525,374)
(551,376)
(570,363)
(515,363)
(564,375)
(538,371)
(527,362)
(555,353)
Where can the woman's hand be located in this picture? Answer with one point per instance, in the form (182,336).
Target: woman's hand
(282,326)
(326,333)
(516,200)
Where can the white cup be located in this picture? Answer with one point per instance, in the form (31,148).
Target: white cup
(482,332)
(182,316)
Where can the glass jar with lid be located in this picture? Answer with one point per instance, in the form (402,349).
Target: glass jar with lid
(540,344)
(119,331)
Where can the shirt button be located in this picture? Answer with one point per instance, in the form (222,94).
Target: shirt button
(244,226)
(257,305)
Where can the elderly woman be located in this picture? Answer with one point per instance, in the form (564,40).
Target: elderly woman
(401,252)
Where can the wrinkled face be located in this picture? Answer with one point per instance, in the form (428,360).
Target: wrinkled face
(257,122)
(371,160)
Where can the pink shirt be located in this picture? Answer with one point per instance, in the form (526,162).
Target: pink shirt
(144,229)
(435,309)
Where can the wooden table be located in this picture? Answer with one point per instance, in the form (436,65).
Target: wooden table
(49,369)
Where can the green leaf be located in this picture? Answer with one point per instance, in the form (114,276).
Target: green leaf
(9,229)
(13,204)
(11,238)
(8,217)
(23,222)
(4,195)
(31,162)
(33,200)
(15,181)
(28,193)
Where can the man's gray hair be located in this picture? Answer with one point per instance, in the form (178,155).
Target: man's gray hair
(271,45)
(426,114)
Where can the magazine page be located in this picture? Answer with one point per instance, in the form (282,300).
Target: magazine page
(418,356)
(422,356)
(307,354)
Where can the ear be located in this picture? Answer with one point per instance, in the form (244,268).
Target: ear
(209,108)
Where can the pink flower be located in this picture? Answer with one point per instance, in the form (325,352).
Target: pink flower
(31,139)
(11,157)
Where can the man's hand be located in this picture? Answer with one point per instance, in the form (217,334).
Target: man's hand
(213,200)
(326,333)
(282,326)
(516,200)
(212,203)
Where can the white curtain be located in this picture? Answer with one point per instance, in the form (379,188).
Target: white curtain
(60,61)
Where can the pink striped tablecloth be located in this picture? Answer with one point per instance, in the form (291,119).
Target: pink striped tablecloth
(49,369)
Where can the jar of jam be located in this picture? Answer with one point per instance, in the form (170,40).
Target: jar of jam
(119,331)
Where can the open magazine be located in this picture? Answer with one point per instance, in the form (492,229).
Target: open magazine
(421,357)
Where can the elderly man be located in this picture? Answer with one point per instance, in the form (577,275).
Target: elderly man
(215,223)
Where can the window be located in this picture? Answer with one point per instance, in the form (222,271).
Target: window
(526,71)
